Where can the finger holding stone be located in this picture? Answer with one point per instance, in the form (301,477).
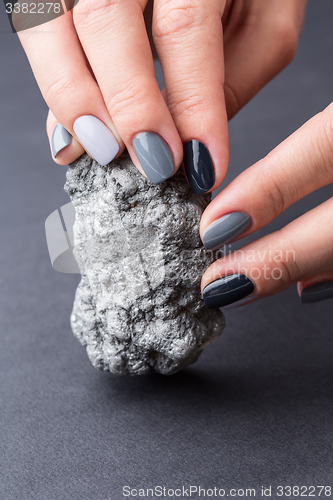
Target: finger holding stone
(64,147)
(189,40)
(69,88)
(274,262)
(295,168)
(115,41)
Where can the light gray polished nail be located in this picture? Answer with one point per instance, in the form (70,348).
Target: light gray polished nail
(60,139)
(96,138)
(225,230)
(154,156)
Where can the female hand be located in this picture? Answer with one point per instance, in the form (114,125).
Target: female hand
(95,69)
(301,252)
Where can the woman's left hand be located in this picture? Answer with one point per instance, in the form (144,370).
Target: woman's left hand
(302,251)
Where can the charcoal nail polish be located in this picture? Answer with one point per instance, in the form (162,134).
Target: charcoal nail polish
(317,292)
(198,166)
(60,139)
(224,230)
(227,290)
(154,156)
(241,302)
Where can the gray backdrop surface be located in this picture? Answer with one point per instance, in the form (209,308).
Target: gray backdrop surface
(255,410)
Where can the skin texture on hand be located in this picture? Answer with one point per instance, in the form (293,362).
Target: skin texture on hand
(302,251)
(215,56)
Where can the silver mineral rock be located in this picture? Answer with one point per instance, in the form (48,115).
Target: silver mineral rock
(138,306)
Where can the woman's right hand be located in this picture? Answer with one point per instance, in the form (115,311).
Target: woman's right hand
(95,69)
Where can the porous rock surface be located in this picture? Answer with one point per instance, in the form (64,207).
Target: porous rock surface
(138,306)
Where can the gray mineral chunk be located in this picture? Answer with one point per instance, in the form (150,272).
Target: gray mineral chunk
(138,306)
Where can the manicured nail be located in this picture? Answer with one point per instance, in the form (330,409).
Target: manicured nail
(198,166)
(225,230)
(60,139)
(240,303)
(227,290)
(96,139)
(317,292)
(154,156)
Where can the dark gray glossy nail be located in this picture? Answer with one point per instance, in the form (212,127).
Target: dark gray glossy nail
(154,156)
(60,139)
(225,230)
(317,292)
(199,167)
(227,290)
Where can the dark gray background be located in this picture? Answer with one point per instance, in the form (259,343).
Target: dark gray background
(257,407)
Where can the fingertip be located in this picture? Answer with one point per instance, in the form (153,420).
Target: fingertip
(69,153)
(64,147)
(316,288)
(60,139)
(153,157)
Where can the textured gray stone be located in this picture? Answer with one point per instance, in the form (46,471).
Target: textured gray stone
(138,306)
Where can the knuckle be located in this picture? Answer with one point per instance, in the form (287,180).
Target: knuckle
(285,37)
(134,96)
(60,86)
(273,191)
(87,11)
(290,270)
(287,273)
(176,16)
(187,105)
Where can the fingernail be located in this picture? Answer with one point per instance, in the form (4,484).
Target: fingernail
(227,290)
(240,303)
(317,292)
(154,156)
(60,139)
(96,139)
(224,230)
(198,166)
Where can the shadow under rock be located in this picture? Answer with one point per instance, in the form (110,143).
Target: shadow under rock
(259,388)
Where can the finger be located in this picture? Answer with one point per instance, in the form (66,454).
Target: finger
(301,250)
(316,288)
(189,41)
(64,147)
(115,41)
(163,92)
(69,89)
(298,166)
(259,48)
